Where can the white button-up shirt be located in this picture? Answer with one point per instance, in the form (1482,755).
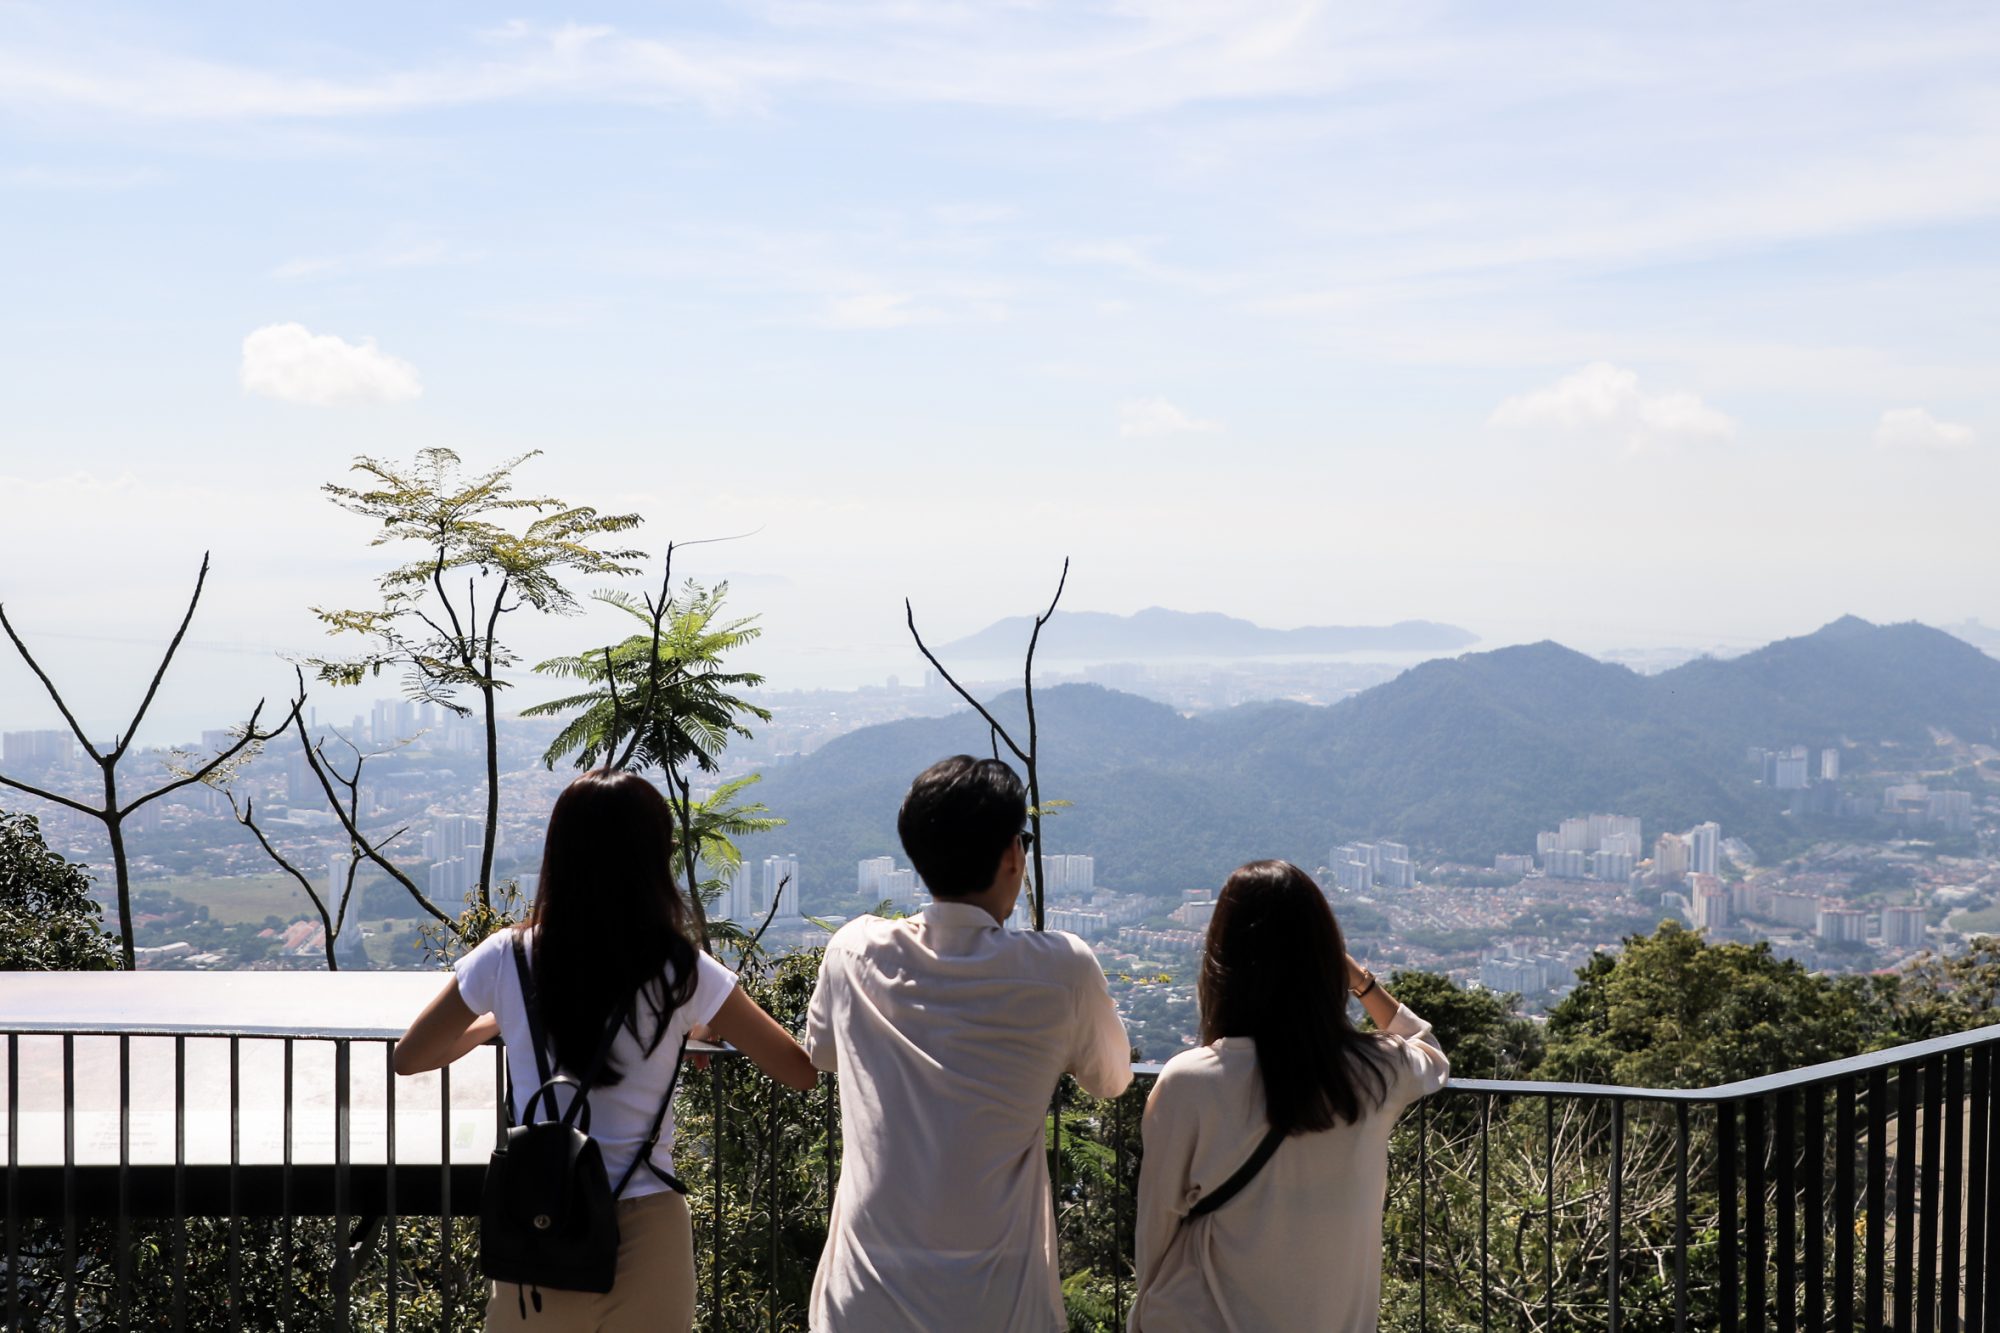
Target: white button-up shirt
(948,1034)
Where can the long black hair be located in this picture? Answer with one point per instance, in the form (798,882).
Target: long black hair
(609,920)
(1275,969)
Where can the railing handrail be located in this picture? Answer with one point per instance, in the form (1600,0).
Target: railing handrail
(1829,1071)
(1741,1090)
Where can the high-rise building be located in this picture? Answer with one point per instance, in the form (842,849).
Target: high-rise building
(382,722)
(451,879)
(1842,925)
(1705,849)
(1903,927)
(1513,864)
(23,750)
(454,836)
(1611,867)
(336,873)
(1670,858)
(868,875)
(901,888)
(1709,903)
(1951,811)
(1829,764)
(781,882)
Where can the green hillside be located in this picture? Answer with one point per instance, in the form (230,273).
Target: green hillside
(1465,757)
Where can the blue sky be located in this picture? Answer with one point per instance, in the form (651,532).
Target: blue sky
(1617,324)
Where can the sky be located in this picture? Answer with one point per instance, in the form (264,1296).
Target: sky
(1623,325)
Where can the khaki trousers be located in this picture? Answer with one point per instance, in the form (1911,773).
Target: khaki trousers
(654,1291)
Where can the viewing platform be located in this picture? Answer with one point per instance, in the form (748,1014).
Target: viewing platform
(221,1150)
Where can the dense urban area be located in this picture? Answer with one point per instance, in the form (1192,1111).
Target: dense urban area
(1912,867)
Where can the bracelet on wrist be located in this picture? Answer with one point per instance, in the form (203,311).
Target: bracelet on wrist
(1369,987)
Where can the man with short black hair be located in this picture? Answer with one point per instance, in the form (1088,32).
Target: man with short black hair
(948,1033)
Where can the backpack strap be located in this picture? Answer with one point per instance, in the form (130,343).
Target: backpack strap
(645,1153)
(530,1001)
(1233,1186)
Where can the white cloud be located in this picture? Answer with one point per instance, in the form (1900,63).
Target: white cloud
(1157,416)
(1603,399)
(1914,428)
(291,363)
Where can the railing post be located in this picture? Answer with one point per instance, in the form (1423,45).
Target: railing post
(285,1204)
(1725,1194)
(1754,1256)
(343,1259)
(393,1243)
(1977,1201)
(122,1231)
(1845,1142)
(447,1287)
(1612,1286)
(1785,1156)
(69,1182)
(1927,1199)
(235,1198)
(1814,1178)
(1877,1245)
(1485,1232)
(1680,1217)
(14,1182)
(1953,1187)
(1908,1082)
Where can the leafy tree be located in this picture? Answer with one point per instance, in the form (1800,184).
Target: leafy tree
(660,699)
(1477,1028)
(48,920)
(443,641)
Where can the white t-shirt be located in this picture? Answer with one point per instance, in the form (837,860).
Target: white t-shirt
(621,1115)
(948,1034)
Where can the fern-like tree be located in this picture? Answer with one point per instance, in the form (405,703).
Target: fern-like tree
(438,621)
(664,698)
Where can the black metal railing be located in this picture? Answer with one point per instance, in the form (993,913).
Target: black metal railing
(292,1181)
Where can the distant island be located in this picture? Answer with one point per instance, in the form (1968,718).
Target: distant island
(1157,632)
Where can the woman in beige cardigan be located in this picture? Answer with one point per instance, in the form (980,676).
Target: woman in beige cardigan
(1280,1120)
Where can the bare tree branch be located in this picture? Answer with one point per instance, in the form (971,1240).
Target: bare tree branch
(246,815)
(48,685)
(348,815)
(166,660)
(250,736)
(33,790)
(1000,733)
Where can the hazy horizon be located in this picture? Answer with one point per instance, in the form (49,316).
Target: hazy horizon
(1626,329)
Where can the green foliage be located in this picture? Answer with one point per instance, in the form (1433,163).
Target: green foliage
(457,523)
(661,702)
(48,920)
(1479,1029)
(1672,1011)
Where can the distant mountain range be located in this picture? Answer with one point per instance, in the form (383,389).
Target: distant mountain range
(1467,756)
(1158,632)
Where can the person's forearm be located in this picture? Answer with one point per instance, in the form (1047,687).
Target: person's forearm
(1381,1005)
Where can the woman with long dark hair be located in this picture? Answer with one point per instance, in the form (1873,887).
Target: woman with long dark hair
(1267,1146)
(607,948)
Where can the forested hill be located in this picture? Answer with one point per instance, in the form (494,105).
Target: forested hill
(1468,756)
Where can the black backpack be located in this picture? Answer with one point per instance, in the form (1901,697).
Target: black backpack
(548,1216)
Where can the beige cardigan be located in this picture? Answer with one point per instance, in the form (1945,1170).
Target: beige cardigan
(1301,1246)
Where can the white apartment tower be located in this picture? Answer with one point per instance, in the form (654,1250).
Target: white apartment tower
(781,882)
(1705,848)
